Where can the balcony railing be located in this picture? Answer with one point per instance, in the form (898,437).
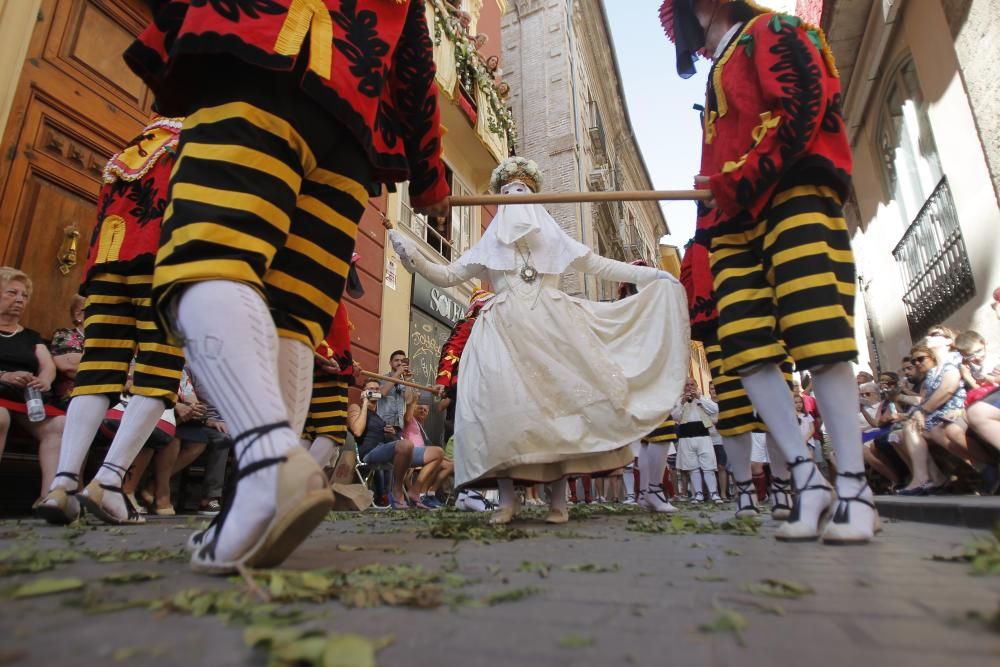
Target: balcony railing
(933,263)
(424,231)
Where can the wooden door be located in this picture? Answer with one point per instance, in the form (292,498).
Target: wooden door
(76,104)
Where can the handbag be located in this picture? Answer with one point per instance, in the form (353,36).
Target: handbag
(979,393)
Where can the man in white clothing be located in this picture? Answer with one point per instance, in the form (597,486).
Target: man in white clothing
(695,451)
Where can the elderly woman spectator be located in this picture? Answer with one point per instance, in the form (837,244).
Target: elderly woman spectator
(938,417)
(25,363)
(67,349)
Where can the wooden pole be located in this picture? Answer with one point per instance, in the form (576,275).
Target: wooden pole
(577,197)
(384,378)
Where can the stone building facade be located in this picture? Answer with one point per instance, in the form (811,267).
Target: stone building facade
(569,105)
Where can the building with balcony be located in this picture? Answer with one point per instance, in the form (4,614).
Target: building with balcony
(415,316)
(921,104)
(570,111)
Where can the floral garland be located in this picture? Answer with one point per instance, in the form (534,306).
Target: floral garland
(516,168)
(500,119)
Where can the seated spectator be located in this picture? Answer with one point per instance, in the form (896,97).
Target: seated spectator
(66,348)
(938,415)
(426,455)
(25,363)
(198,427)
(981,376)
(379,442)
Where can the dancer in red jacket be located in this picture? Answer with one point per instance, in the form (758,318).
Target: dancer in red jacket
(296,110)
(777,160)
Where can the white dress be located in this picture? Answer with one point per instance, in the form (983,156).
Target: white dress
(551,384)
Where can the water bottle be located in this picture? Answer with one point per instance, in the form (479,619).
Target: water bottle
(33,401)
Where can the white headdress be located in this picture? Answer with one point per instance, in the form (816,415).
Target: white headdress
(527,225)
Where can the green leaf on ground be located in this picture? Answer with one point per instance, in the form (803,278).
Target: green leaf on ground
(779,588)
(677,524)
(731,552)
(45,586)
(983,554)
(130,577)
(20,559)
(711,577)
(576,641)
(591,567)
(155,555)
(512,595)
(448,526)
(988,621)
(298,646)
(726,620)
(542,569)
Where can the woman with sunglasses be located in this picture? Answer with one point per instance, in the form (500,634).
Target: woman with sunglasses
(939,415)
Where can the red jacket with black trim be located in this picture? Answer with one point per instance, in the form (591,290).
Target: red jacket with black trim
(772,116)
(131,203)
(370,64)
(696,277)
(337,344)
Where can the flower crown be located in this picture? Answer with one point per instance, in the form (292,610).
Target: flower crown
(516,169)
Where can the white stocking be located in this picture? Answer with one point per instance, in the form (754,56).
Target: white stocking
(322,450)
(836,390)
(738,449)
(711,482)
(779,467)
(138,422)
(656,464)
(83,419)
(644,468)
(295,375)
(696,486)
(231,344)
(772,400)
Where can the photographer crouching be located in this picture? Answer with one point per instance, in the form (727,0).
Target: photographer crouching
(379,441)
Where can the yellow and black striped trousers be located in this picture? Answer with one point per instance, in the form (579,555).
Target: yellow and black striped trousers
(120,324)
(328,409)
(786,286)
(268,190)
(736,413)
(665,433)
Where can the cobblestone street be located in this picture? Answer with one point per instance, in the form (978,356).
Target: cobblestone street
(604,590)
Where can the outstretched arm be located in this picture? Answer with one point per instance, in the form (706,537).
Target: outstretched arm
(439,274)
(613,270)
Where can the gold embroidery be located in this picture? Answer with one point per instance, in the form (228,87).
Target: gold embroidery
(767,122)
(109,245)
(305,16)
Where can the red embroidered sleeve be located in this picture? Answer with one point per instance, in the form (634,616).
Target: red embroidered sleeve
(792,77)
(415,98)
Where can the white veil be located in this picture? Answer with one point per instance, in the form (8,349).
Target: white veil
(530,225)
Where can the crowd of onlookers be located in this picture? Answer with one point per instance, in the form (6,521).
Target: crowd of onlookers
(932,426)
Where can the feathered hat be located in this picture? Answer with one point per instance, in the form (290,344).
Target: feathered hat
(682,28)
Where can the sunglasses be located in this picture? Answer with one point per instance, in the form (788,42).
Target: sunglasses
(919,360)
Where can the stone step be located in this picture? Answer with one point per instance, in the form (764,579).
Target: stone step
(967,511)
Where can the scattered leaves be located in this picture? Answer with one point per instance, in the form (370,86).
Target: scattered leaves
(45,586)
(461,526)
(576,641)
(591,567)
(726,620)
(130,577)
(125,555)
(542,569)
(298,646)
(779,588)
(982,553)
(989,621)
(678,524)
(20,559)
(512,595)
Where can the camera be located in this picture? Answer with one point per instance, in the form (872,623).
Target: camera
(371,395)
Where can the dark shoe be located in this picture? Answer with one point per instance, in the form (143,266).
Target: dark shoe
(915,491)
(210,507)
